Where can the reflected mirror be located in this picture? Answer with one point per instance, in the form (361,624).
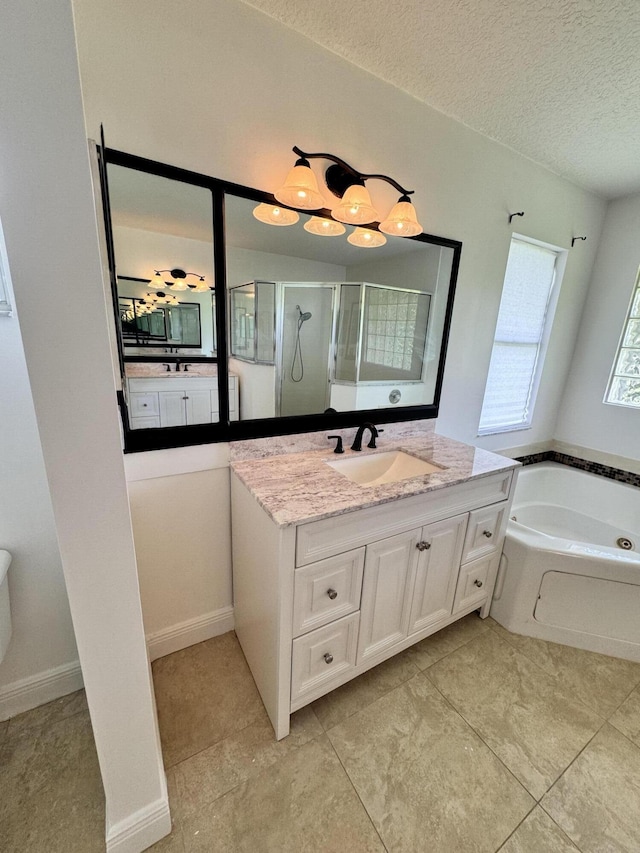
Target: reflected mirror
(316,323)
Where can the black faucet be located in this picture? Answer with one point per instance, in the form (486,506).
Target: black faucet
(168,366)
(178,363)
(357,441)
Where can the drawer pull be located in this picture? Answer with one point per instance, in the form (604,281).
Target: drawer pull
(332,594)
(477,583)
(328,658)
(144,405)
(423,546)
(487,533)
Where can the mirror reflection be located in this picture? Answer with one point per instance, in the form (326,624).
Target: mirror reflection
(317,323)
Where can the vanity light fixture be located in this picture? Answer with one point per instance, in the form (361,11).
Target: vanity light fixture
(161,298)
(348,184)
(324,227)
(272,215)
(366,238)
(201,286)
(179,277)
(301,187)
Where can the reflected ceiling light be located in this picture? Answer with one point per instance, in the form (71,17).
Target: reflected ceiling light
(355,207)
(324,227)
(348,184)
(402,220)
(366,238)
(201,286)
(301,188)
(179,277)
(272,215)
(161,298)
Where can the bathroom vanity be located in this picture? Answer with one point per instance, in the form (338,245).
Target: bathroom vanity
(332,576)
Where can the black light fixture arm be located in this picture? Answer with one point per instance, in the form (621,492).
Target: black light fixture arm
(360,177)
(178,273)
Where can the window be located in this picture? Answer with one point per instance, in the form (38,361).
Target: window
(624,386)
(524,320)
(5,305)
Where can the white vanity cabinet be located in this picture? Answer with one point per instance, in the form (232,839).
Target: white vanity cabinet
(320,602)
(180,400)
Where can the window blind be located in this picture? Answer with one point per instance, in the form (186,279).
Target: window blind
(515,357)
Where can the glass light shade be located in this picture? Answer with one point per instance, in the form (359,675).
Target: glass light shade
(157,282)
(366,238)
(402,220)
(324,227)
(271,215)
(301,189)
(180,284)
(200,287)
(355,207)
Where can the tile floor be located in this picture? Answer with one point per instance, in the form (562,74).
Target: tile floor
(474,740)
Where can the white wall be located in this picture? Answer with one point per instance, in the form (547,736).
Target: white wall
(43,637)
(585,420)
(49,220)
(239,93)
(245,109)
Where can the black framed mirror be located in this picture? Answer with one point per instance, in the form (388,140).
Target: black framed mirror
(297,331)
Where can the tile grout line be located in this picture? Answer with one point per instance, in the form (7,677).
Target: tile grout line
(366,811)
(477,733)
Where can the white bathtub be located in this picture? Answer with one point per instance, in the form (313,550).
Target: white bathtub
(563,576)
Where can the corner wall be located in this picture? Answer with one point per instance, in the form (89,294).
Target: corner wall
(610,434)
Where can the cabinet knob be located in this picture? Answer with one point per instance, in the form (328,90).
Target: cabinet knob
(477,583)
(423,546)
(144,405)
(186,398)
(328,658)
(332,594)
(487,533)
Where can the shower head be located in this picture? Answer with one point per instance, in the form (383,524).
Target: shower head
(303,316)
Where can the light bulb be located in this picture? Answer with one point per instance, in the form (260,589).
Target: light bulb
(402,220)
(301,188)
(356,207)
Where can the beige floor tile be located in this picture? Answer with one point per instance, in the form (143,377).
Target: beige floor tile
(600,681)
(597,800)
(204,694)
(302,804)
(362,691)
(538,834)
(51,796)
(627,717)
(4,727)
(425,777)
(215,771)
(170,843)
(531,723)
(51,713)
(438,645)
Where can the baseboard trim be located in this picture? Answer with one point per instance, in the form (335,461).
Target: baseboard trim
(40,688)
(188,633)
(141,829)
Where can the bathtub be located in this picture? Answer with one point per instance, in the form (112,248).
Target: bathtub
(570,570)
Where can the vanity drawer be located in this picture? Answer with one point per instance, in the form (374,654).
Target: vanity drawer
(475,581)
(322,657)
(144,405)
(484,531)
(145,423)
(327,590)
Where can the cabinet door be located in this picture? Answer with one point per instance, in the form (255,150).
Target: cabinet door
(389,571)
(172,410)
(440,549)
(198,406)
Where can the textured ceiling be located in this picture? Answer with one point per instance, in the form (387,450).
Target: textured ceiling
(556,80)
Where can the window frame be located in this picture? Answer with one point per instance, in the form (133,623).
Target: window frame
(543,343)
(635,293)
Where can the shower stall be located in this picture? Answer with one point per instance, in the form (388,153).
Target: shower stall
(303,347)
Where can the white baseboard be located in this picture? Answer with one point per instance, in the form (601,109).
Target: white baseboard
(188,633)
(141,829)
(37,689)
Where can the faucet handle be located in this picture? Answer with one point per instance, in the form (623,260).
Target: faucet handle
(374,434)
(339,447)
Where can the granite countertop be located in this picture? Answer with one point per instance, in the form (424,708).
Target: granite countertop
(300,487)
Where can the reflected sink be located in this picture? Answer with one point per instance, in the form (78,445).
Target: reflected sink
(380,468)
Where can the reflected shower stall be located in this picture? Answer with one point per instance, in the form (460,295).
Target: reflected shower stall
(303,347)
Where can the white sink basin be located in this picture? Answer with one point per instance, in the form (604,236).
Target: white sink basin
(380,468)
